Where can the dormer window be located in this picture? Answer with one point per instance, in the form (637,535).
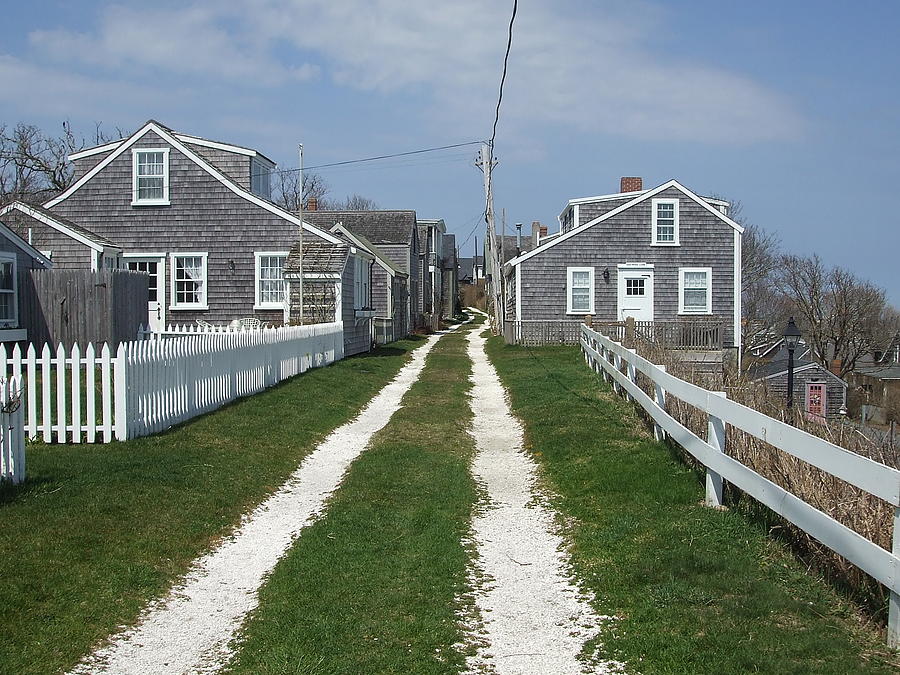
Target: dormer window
(665,222)
(151,177)
(260,182)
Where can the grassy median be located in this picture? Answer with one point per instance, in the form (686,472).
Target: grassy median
(98,530)
(696,590)
(371,587)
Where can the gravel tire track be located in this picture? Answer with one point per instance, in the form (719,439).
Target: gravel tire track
(191,629)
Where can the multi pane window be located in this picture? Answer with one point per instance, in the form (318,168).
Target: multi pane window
(260,183)
(8,292)
(695,291)
(270,280)
(634,286)
(188,281)
(665,221)
(151,268)
(361,297)
(151,176)
(580,291)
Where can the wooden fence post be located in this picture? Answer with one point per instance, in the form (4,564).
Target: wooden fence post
(658,433)
(629,332)
(121,410)
(716,438)
(893,628)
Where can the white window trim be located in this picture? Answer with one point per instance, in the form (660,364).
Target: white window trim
(134,178)
(569,272)
(14,321)
(653,206)
(362,286)
(709,289)
(172,272)
(257,303)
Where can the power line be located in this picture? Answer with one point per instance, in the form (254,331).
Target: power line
(379,157)
(512,20)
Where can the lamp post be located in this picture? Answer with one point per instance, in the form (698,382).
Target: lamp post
(791,337)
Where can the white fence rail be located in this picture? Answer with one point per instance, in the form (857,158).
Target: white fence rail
(608,358)
(149,385)
(12,434)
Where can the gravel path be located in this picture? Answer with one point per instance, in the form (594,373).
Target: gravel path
(534,618)
(189,631)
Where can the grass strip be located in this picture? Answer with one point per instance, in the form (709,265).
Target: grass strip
(698,590)
(371,587)
(97,530)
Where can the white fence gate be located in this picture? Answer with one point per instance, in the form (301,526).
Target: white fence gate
(609,358)
(12,433)
(149,385)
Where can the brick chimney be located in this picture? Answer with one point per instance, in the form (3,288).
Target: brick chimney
(631,184)
(836,365)
(537,231)
(312,204)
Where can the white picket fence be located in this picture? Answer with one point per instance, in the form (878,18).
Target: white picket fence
(608,358)
(149,385)
(12,433)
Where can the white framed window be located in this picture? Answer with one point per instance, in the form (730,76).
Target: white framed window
(9,302)
(579,290)
(150,176)
(189,287)
(362,298)
(270,286)
(665,222)
(695,290)
(260,179)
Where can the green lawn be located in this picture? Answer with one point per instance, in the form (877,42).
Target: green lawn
(97,530)
(697,590)
(370,587)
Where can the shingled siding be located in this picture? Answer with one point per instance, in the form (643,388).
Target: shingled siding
(85,164)
(65,251)
(706,241)
(204,216)
(232,164)
(587,212)
(407,260)
(381,282)
(835,390)
(357,333)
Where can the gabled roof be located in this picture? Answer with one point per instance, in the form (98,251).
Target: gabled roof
(29,250)
(886,372)
(383,261)
(437,222)
(641,197)
(379,227)
(320,259)
(510,246)
(628,195)
(62,225)
(187,138)
(769,371)
(170,137)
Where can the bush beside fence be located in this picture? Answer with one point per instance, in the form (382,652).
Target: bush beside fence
(150,385)
(608,358)
(12,433)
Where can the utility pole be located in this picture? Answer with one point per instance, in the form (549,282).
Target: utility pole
(300,239)
(486,164)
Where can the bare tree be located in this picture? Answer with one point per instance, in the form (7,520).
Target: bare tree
(287,193)
(841,316)
(354,202)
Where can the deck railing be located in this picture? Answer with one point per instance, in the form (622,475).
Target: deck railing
(694,334)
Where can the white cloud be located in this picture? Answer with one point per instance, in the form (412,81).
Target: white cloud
(586,68)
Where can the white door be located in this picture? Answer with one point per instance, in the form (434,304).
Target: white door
(635,293)
(156,269)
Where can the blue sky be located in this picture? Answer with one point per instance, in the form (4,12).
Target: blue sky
(792,108)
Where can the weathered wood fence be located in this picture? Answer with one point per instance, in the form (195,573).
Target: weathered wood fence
(700,334)
(12,433)
(609,357)
(146,386)
(72,306)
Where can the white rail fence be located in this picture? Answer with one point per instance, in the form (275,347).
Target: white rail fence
(608,358)
(12,433)
(149,385)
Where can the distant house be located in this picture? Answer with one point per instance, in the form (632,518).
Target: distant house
(655,255)
(334,282)
(192,213)
(818,392)
(395,235)
(17,258)
(390,290)
(877,379)
(471,270)
(449,272)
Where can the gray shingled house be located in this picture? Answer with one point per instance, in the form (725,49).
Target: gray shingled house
(655,255)
(335,287)
(450,275)
(192,213)
(395,235)
(390,290)
(17,257)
